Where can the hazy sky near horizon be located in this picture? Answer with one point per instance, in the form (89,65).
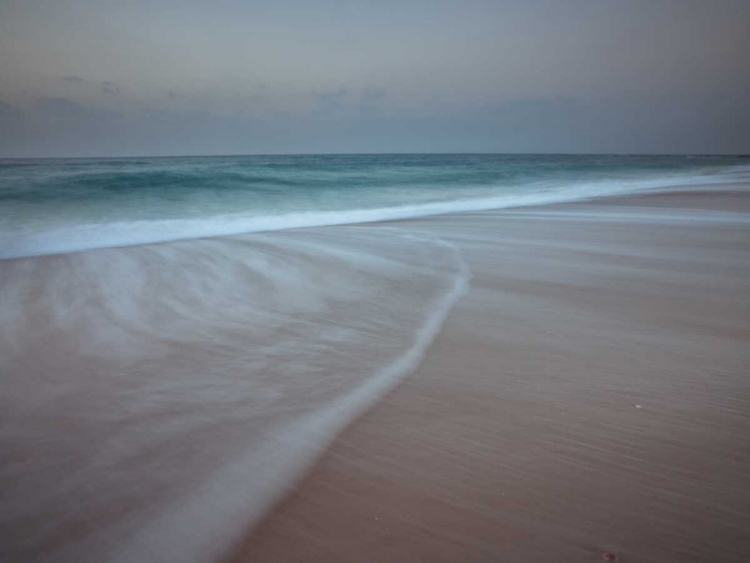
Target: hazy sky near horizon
(131,77)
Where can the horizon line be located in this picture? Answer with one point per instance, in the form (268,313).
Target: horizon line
(437,153)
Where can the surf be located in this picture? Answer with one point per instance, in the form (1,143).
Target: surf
(177,391)
(53,232)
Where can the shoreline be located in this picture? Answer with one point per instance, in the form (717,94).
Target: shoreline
(74,239)
(586,397)
(546,400)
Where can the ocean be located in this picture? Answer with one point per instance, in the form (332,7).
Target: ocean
(158,398)
(56,206)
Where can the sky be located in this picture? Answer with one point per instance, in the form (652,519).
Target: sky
(168,77)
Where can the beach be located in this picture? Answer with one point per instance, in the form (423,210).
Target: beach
(374,282)
(589,396)
(558,382)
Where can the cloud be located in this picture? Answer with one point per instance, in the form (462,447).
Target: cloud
(73,79)
(12,129)
(109,88)
(10,119)
(7,109)
(58,126)
(331,101)
(65,109)
(372,96)
(59,107)
(371,101)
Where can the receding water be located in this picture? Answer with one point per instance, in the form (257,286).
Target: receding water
(53,206)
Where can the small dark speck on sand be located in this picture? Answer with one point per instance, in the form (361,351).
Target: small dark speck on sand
(610,557)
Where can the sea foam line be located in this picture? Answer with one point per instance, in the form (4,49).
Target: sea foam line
(77,238)
(221,511)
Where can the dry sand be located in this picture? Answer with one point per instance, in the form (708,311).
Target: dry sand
(590,395)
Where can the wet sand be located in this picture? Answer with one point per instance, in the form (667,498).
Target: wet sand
(157,400)
(590,395)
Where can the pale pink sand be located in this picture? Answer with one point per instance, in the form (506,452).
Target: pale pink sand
(590,395)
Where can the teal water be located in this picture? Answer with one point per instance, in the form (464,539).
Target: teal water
(53,206)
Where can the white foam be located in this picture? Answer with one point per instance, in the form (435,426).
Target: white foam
(202,378)
(75,238)
(219,512)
